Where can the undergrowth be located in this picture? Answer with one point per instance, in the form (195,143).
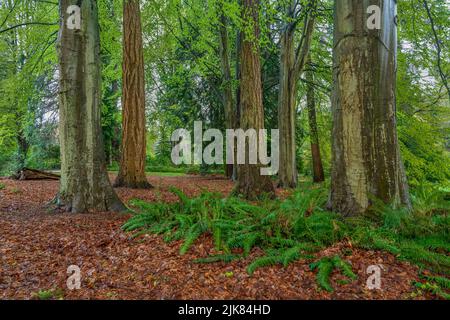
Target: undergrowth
(298,227)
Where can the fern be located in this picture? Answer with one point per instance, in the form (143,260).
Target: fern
(441,281)
(292,229)
(282,256)
(433,288)
(326,266)
(193,234)
(262,262)
(422,257)
(344,267)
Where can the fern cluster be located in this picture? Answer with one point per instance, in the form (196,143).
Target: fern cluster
(298,227)
(326,266)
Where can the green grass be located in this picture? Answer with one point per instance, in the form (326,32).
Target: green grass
(298,227)
(158,174)
(57,294)
(165,174)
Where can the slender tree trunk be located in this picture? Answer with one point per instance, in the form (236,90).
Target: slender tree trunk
(366,160)
(251,184)
(132,163)
(230,113)
(238,94)
(318,175)
(84,180)
(22,150)
(292,61)
(115,140)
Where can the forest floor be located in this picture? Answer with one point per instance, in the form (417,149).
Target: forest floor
(38,245)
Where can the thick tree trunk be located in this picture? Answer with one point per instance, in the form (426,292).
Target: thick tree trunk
(366,159)
(229,111)
(318,175)
(287,111)
(251,184)
(132,163)
(84,180)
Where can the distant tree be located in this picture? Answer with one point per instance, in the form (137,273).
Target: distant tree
(318,175)
(228,101)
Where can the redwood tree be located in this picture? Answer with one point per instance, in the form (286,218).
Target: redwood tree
(133,148)
(250,183)
(366,160)
(84,180)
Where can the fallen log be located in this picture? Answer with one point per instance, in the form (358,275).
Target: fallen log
(33,174)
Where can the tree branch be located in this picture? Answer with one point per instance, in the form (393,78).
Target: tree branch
(28,24)
(438,48)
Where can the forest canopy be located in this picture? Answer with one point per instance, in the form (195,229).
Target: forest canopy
(184,80)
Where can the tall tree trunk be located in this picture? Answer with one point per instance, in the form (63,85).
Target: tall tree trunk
(287,111)
(238,93)
(366,158)
(132,163)
(229,111)
(251,184)
(318,175)
(292,61)
(23,147)
(84,180)
(115,140)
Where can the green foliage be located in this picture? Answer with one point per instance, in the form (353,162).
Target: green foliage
(49,294)
(433,288)
(297,227)
(326,266)
(283,256)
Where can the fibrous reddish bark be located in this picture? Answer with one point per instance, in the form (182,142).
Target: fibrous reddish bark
(251,184)
(133,148)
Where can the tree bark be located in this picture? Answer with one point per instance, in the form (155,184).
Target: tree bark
(84,180)
(366,160)
(238,92)
(292,61)
(251,184)
(23,147)
(229,111)
(133,155)
(318,175)
(288,175)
